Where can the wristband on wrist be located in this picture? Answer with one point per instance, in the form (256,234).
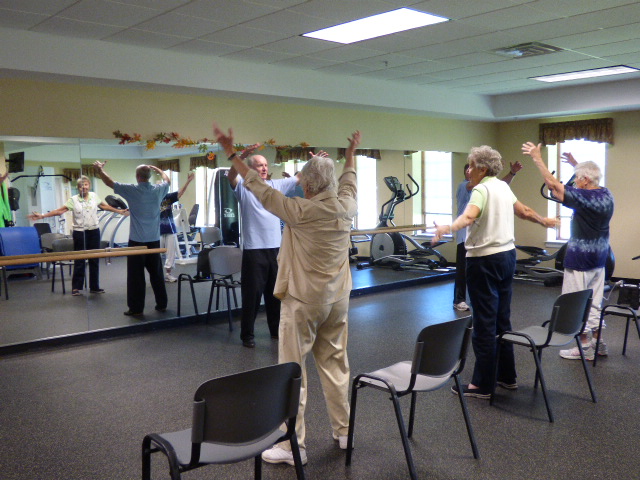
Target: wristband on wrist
(233,155)
(513,174)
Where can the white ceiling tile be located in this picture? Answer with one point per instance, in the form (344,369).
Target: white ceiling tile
(576,7)
(108,13)
(346,53)
(48,7)
(161,5)
(143,38)
(175,24)
(245,36)
(74,28)
(298,45)
(228,12)
(288,22)
(478,43)
(457,9)
(628,46)
(276,4)
(21,20)
(597,37)
(340,11)
(386,61)
(304,62)
(512,17)
(344,68)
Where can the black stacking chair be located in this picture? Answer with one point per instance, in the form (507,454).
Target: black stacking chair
(61,245)
(568,319)
(439,355)
(235,418)
(224,262)
(625,306)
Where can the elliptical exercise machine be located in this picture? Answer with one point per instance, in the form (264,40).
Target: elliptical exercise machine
(389,249)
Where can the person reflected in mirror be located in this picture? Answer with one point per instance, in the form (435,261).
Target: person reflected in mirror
(86,234)
(168,229)
(491,262)
(261,237)
(314,279)
(463,194)
(144,200)
(588,245)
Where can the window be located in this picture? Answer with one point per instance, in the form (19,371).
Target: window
(437,190)
(174,178)
(367,216)
(205,179)
(582,150)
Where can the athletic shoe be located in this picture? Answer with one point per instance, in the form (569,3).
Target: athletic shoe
(603,350)
(279,455)
(75,293)
(574,353)
(508,386)
(98,290)
(461,307)
(471,392)
(342,440)
(170,278)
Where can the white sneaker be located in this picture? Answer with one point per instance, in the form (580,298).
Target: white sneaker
(574,353)
(603,350)
(279,455)
(461,307)
(342,440)
(170,278)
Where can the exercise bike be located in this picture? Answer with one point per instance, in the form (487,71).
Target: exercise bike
(389,249)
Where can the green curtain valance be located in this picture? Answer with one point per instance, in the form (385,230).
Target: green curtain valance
(173,164)
(210,160)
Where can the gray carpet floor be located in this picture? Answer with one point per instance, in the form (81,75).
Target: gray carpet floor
(80,412)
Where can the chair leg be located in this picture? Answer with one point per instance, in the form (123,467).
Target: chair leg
(403,435)
(495,372)
(537,357)
(64,291)
(229,310)
(210,300)
(626,336)
(595,355)
(6,286)
(297,459)
(586,370)
(467,420)
(167,450)
(352,420)
(412,412)
(537,379)
(146,458)
(53,278)
(257,467)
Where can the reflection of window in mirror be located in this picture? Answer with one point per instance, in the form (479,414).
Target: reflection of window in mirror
(204,186)
(437,188)
(582,150)
(367,193)
(174,178)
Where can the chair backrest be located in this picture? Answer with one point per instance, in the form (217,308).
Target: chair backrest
(225,260)
(628,295)
(62,245)
(47,240)
(193,215)
(210,235)
(246,406)
(115,202)
(20,241)
(42,228)
(570,312)
(441,348)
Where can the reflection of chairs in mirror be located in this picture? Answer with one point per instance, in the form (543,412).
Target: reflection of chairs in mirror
(46,241)
(19,241)
(187,231)
(61,245)
(235,418)
(224,262)
(114,227)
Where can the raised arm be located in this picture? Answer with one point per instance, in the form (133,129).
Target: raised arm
(553,184)
(471,212)
(233,173)
(106,179)
(109,208)
(190,177)
(349,154)
(226,142)
(513,169)
(165,177)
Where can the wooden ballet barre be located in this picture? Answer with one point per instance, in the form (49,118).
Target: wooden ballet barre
(399,228)
(67,252)
(78,255)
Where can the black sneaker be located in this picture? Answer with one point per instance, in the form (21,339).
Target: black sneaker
(471,392)
(508,385)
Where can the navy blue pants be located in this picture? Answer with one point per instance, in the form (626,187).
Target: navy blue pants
(460,284)
(489,281)
(86,240)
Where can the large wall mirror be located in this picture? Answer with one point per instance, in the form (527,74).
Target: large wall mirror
(49,179)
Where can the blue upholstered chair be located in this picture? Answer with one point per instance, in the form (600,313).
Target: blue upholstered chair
(19,241)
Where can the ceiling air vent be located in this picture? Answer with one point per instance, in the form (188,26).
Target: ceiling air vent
(523,50)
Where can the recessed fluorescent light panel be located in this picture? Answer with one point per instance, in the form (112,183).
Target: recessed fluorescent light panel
(376,26)
(596,72)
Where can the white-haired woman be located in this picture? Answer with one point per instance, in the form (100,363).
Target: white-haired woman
(86,234)
(491,260)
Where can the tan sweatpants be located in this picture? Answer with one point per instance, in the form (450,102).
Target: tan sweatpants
(323,331)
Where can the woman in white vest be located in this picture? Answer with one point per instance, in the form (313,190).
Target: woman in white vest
(86,234)
(491,260)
